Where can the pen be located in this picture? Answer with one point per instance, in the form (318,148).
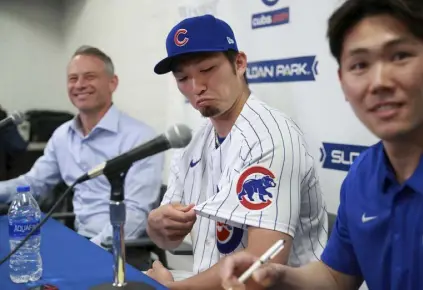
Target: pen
(268,255)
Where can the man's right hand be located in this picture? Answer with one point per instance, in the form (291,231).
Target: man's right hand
(268,275)
(314,275)
(172,221)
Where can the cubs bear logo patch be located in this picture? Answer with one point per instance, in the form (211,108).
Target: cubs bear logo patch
(228,237)
(253,188)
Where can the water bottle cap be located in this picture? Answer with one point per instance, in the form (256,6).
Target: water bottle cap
(23,188)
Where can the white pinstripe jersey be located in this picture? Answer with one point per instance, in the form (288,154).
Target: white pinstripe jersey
(262,175)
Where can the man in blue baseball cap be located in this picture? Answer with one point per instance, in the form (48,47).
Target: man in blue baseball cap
(204,34)
(247,178)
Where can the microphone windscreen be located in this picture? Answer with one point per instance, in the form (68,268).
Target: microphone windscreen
(179,136)
(17,117)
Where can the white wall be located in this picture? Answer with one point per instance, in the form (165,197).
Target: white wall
(31,55)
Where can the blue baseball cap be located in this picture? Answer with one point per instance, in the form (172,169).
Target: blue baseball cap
(204,33)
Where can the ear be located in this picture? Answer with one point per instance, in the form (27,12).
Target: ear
(340,81)
(241,63)
(114,81)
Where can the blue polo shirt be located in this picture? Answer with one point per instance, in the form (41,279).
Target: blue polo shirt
(378,234)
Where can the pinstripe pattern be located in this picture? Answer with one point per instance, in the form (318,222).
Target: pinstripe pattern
(261,136)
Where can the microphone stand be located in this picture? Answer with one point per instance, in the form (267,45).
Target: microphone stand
(117,219)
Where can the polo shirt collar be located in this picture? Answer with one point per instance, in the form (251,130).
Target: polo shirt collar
(387,175)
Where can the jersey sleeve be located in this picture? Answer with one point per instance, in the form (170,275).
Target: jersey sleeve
(263,188)
(174,192)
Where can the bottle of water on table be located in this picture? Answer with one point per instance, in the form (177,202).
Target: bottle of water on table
(24,215)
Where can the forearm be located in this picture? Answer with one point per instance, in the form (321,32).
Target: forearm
(207,280)
(8,187)
(41,178)
(314,276)
(161,241)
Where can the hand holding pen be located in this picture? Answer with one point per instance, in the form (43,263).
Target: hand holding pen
(266,275)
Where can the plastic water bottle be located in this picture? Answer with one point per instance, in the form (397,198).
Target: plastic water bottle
(24,214)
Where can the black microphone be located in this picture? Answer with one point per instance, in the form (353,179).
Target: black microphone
(178,136)
(15,118)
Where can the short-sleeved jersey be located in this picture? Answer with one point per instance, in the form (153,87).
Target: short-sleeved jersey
(262,176)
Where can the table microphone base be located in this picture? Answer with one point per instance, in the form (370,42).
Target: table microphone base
(128,286)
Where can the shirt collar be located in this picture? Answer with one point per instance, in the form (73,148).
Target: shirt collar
(245,110)
(416,180)
(109,122)
(387,175)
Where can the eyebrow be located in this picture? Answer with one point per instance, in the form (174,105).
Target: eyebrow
(389,44)
(72,75)
(84,73)
(177,69)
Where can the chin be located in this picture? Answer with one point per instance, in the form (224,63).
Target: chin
(393,133)
(82,107)
(209,112)
(85,108)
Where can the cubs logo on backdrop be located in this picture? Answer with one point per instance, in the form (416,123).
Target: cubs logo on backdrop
(254,188)
(303,68)
(270,18)
(228,237)
(339,156)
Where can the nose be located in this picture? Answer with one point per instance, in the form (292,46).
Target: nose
(198,86)
(381,80)
(80,84)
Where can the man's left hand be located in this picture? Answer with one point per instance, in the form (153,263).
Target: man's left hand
(159,273)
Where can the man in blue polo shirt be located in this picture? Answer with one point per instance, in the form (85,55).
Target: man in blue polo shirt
(378,235)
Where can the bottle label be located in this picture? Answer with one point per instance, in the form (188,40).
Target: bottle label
(22,229)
